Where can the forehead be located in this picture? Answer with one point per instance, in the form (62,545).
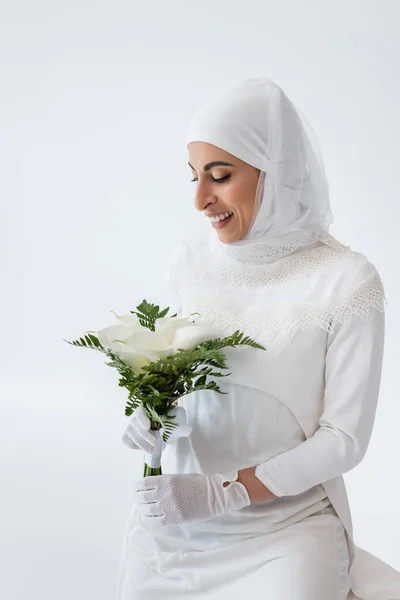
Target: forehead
(198,151)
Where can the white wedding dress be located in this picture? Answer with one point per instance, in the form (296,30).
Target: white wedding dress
(303,411)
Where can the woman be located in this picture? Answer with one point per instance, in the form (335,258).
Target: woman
(254,501)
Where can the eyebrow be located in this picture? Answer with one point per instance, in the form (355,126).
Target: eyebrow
(215,163)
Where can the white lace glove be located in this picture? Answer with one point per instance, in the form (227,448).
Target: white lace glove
(138,434)
(172,499)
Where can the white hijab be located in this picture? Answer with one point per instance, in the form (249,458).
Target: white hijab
(256,122)
(283,274)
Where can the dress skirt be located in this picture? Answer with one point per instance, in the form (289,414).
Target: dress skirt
(308,560)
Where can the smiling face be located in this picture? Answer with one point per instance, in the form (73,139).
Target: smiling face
(224,184)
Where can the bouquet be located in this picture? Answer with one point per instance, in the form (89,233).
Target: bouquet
(159,359)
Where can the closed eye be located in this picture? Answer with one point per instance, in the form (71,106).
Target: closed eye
(220,180)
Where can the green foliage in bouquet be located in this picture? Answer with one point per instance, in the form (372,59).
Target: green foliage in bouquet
(164,381)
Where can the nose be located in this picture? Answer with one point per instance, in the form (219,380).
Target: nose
(203,198)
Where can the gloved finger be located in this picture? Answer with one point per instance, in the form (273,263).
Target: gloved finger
(139,439)
(146,496)
(138,433)
(180,414)
(128,441)
(145,483)
(182,429)
(140,418)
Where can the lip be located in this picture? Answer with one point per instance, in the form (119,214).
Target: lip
(222,224)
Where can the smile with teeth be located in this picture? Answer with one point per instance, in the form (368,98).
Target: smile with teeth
(221,217)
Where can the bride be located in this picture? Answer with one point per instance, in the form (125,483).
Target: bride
(254,500)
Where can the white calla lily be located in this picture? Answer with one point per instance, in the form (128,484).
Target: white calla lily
(191,336)
(137,345)
(167,326)
(129,319)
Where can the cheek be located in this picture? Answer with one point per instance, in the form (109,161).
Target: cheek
(242,200)
(235,195)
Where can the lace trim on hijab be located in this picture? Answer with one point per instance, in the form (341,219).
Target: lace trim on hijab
(261,253)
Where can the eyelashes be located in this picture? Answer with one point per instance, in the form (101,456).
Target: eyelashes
(220,180)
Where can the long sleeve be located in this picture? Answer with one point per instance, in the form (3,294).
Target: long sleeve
(352,380)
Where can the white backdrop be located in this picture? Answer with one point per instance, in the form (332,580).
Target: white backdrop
(95,189)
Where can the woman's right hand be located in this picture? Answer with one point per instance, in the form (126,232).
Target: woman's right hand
(138,434)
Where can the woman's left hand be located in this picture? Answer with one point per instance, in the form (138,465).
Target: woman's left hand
(172,499)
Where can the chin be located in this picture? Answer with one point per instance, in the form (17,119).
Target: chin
(227,238)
